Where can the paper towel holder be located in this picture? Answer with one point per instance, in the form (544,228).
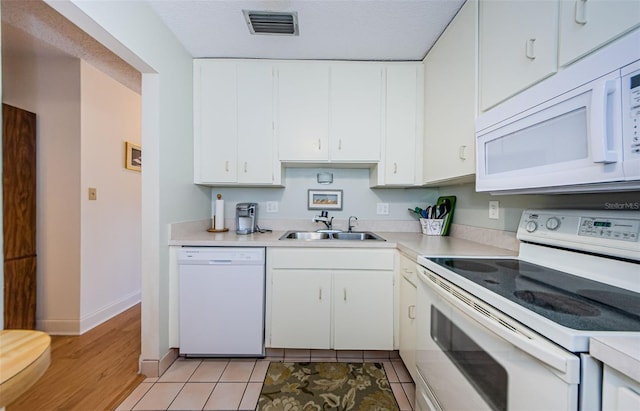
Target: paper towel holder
(213,228)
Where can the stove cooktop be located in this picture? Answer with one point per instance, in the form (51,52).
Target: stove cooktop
(571,301)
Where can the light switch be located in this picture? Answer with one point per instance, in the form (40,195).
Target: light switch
(93,193)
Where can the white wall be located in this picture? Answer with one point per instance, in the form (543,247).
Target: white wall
(89,253)
(50,87)
(473,208)
(358,199)
(134,32)
(111,225)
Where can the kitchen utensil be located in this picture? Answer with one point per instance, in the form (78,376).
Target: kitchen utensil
(447,205)
(417,211)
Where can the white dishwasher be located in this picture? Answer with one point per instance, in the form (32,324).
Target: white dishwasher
(222,292)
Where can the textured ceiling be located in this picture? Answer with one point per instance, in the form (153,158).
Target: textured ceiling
(33,28)
(329,29)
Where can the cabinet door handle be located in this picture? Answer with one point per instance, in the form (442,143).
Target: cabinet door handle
(320,293)
(580,15)
(461,153)
(319,144)
(226,166)
(245,166)
(340,144)
(411,312)
(344,290)
(395,168)
(530,50)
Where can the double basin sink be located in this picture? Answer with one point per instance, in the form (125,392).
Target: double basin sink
(333,235)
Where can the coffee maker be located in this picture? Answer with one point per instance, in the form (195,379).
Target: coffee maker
(246,218)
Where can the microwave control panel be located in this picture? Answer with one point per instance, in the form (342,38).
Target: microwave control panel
(631,113)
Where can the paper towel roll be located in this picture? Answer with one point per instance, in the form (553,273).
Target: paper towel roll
(219,220)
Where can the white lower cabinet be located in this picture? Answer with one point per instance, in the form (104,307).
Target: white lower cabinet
(408,297)
(300,309)
(339,299)
(619,392)
(363,310)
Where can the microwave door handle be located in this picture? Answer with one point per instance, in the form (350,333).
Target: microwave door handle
(601,122)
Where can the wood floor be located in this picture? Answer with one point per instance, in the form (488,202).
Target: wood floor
(93,371)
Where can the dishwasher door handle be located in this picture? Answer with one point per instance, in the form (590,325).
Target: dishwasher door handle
(213,262)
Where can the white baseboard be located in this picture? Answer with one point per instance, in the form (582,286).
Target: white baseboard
(155,368)
(81,326)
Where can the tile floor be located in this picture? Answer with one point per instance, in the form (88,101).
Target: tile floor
(235,384)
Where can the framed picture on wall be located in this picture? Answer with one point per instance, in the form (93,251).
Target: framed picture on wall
(325,200)
(133,158)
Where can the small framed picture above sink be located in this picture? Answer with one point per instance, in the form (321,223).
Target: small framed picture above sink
(324,199)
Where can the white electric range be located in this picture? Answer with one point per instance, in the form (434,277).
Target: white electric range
(511,334)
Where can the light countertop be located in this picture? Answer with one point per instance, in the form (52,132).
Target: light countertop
(410,243)
(619,352)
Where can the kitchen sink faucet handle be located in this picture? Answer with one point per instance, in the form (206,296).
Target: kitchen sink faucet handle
(350,226)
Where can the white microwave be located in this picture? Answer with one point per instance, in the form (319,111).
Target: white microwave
(578,131)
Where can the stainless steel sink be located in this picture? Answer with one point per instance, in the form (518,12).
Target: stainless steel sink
(305,235)
(343,235)
(354,235)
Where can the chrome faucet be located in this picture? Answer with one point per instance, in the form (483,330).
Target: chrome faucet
(350,225)
(324,218)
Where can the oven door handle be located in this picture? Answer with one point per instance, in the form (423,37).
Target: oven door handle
(505,328)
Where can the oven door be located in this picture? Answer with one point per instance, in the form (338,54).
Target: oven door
(473,357)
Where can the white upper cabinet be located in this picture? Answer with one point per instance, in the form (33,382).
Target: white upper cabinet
(215,122)
(587,25)
(401,164)
(518,47)
(256,147)
(329,112)
(450,101)
(356,112)
(233,123)
(303,111)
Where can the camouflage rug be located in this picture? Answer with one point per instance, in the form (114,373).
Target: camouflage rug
(320,386)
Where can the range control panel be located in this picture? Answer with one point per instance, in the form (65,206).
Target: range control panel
(609,232)
(615,228)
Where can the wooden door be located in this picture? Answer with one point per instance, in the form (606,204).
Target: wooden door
(19,216)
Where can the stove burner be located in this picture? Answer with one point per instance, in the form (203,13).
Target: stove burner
(470,266)
(558,303)
(627,302)
(518,266)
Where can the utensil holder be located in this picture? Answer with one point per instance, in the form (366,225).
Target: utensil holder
(432,226)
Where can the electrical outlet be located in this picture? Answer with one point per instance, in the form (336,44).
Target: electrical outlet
(494,210)
(272,206)
(382,208)
(93,193)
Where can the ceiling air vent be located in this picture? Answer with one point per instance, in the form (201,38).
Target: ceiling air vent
(271,22)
